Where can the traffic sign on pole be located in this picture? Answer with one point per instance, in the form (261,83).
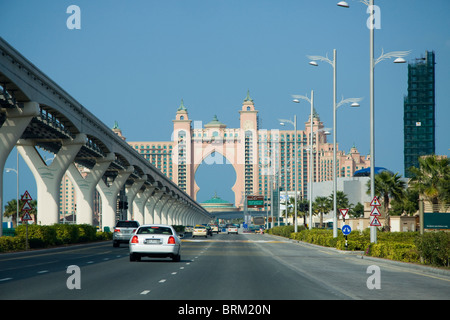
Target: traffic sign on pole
(375,222)
(26,197)
(344,212)
(375,202)
(346,230)
(375,212)
(26,206)
(26,216)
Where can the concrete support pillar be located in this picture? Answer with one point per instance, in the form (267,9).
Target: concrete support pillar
(167,210)
(157,218)
(149,213)
(15,124)
(131,192)
(48,178)
(85,187)
(139,204)
(108,194)
(173,217)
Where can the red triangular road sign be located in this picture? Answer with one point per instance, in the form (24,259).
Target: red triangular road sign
(375,222)
(344,212)
(26,207)
(26,197)
(26,216)
(375,202)
(375,212)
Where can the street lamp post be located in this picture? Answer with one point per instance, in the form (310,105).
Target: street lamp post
(17,186)
(354,102)
(399,59)
(295,166)
(311,161)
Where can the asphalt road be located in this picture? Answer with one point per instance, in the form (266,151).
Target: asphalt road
(222,267)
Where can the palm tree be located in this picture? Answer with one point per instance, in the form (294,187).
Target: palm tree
(388,186)
(432,179)
(358,210)
(342,201)
(11,209)
(323,206)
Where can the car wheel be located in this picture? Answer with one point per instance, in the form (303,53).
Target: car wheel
(176,258)
(134,257)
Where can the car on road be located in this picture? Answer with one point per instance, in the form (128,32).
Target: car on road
(215,228)
(199,231)
(155,240)
(123,231)
(232,229)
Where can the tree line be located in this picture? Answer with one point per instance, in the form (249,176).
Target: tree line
(429,182)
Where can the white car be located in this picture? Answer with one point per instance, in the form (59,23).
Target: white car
(200,231)
(155,240)
(232,229)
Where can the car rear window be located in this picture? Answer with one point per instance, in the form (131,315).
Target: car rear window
(127,224)
(154,230)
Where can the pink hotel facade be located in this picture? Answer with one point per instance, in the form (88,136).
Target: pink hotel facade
(258,156)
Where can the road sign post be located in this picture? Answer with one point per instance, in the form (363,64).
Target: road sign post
(344,213)
(26,208)
(346,230)
(375,222)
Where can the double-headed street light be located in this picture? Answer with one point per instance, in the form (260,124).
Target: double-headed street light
(399,59)
(354,103)
(294,123)
(311,101)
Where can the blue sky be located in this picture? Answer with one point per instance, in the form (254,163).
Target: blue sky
(133,61)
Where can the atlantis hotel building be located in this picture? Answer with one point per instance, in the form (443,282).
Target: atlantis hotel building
(260,157)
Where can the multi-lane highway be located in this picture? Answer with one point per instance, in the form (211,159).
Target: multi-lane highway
(222,267)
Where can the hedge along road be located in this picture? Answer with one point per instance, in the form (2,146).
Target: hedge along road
(223,267)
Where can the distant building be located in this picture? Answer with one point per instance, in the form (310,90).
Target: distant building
(216,204)
(419,111)
(260,157)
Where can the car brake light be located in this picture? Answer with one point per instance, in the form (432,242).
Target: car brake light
(171,240)
(116,230)
(134,239)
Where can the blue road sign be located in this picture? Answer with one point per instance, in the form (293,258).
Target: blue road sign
(346,230)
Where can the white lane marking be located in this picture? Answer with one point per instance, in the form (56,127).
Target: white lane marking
(145,292)
(174,273)
(162,280)
(42,271)
(5,279)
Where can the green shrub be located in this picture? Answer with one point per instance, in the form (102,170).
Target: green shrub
(57,234)
(434,247)
(399,251)
(66,233)
(102,235)
(86,233)
(39,236)
(8,244)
